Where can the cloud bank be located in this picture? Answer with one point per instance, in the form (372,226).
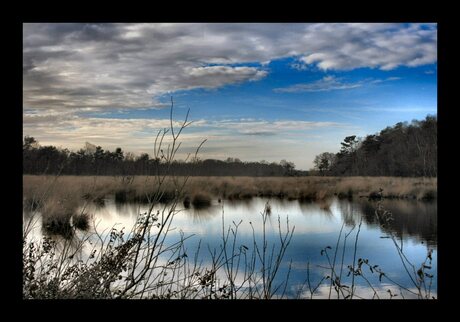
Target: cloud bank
(130,65)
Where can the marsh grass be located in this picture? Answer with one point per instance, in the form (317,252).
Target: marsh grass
(186,202)
(201,200)
(143,188)
(81,221)
(63,222)
(431,194)
(58,225)
(31,204)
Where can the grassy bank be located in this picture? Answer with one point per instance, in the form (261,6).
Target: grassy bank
(232,188)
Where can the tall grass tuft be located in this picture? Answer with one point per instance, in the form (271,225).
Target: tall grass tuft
(187,202)
(201,200)
(81,221)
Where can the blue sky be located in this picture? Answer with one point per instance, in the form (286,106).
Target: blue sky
(255,91)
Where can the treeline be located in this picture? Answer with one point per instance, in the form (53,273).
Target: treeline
(94,160)
(407,150)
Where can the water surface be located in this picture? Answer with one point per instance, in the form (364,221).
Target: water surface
(316,226)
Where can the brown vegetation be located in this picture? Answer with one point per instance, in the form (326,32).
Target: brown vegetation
(141,188)
(201,200)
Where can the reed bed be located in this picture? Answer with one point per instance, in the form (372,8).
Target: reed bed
(141,188)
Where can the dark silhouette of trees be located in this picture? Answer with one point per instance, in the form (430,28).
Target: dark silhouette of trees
(349,145)
(324,161)
(402,150)
(29,143)
(94,160)
(346,161)
(288,166)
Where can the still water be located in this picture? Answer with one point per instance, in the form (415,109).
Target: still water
(316,226)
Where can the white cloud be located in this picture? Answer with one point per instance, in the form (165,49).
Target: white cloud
(130,65)
(330,83)
(217,76)
(73,128)
(327,83)
(384,46)
(273,127)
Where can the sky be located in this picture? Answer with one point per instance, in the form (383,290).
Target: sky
(256,91)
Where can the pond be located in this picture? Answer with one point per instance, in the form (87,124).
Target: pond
(318,241)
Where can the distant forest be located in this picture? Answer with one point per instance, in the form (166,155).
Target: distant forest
(401,150)
(94,160)
(406,150)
